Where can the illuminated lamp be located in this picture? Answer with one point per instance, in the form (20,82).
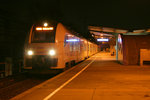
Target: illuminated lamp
(119,40)
(72,40)
(102,40)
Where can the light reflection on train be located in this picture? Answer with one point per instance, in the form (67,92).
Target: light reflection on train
(54,46)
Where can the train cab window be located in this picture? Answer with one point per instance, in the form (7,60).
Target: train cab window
(43,37)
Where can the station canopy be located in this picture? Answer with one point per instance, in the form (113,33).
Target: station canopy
(106,32)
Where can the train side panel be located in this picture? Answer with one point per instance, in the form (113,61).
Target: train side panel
(68,49)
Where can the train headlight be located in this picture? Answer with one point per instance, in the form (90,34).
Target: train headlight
(52,52)
(30,52)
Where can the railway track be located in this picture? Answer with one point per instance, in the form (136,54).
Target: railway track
(14,85)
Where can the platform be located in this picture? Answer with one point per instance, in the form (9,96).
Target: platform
(98,78)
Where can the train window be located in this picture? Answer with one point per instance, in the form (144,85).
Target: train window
(43,37)
(76,46)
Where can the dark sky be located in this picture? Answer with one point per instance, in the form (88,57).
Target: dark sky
(126,14)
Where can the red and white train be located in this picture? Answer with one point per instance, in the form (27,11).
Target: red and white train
(53,46)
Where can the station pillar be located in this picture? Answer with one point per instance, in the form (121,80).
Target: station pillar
(116,47)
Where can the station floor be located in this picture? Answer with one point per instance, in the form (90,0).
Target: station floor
(98,78)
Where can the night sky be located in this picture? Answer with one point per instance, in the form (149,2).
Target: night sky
(126,14)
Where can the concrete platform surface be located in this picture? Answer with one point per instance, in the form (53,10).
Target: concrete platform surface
(98,78)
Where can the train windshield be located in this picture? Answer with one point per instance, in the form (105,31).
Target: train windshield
(43,37)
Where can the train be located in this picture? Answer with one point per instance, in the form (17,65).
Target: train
(53,46)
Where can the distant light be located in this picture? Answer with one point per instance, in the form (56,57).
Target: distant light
(101,34)
(72,40)
(45,24)
(119,40)
(103,40)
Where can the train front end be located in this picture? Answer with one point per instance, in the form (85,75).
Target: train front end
(40,50)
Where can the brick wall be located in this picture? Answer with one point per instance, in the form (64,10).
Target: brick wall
(132,46)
